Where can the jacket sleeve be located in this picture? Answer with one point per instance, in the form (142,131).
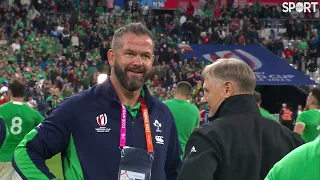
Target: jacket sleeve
(173,160)
(46,140)
(201,159)
(3,131)
(297,139)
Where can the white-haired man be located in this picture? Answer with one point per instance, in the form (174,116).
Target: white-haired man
(238,142)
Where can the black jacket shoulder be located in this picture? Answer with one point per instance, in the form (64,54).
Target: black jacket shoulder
(238,143)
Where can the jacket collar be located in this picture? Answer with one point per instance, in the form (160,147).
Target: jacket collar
(106,91)
(236,104)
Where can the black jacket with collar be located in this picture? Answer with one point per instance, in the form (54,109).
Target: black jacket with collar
(238,144)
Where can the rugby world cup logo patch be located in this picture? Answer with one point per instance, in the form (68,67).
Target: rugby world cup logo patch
(102,121)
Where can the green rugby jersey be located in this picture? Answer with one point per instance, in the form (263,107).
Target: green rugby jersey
(311,120)
(20,119)
(187,118)
(266,114)
(300,164)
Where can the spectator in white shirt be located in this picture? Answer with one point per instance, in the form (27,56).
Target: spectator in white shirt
(145,9)
(75,40)
(32,14)
(16,46)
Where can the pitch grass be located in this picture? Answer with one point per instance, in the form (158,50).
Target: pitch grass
(55,166)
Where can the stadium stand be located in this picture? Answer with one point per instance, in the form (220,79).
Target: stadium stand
(59,48)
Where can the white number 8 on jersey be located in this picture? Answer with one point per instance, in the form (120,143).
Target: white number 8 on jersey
(16,127)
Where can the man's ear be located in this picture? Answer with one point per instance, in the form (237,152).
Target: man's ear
(313,100)
(228,89)
(153,58)
(111,56)
(175,92)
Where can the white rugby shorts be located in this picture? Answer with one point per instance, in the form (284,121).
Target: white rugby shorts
(7,172)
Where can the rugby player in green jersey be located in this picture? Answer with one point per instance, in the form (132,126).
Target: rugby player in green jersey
(186,115)
(263,112)
(300,164)
(19,119)
(308,122)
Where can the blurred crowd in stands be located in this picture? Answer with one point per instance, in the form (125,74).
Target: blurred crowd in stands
(59,48)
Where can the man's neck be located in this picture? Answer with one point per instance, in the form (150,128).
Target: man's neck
(313,107)
(178,96)
(126,97)
(16,99)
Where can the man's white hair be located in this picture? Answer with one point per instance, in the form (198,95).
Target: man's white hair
(233,70)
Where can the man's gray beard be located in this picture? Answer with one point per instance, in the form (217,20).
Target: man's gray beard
(130,85)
